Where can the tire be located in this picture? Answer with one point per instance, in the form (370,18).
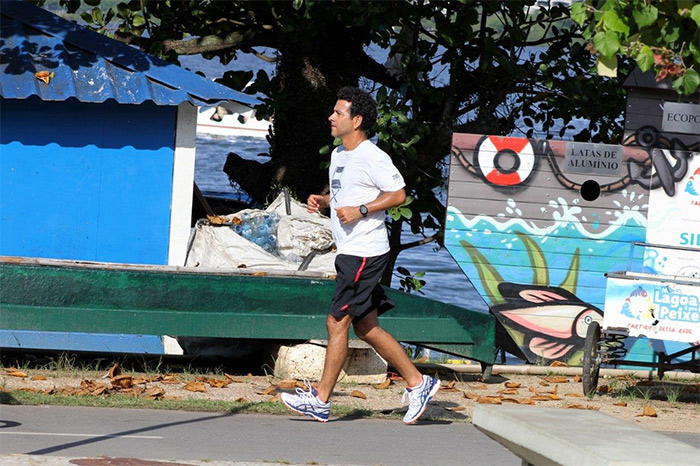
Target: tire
(591,367)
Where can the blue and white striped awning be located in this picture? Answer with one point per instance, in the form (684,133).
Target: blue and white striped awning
(91,67)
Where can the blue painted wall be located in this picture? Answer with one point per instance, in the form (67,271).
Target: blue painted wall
(86,181)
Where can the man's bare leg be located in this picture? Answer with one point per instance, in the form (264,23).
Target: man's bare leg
(336,352)
(385,344)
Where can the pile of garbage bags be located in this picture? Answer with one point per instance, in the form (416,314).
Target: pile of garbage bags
(282,237)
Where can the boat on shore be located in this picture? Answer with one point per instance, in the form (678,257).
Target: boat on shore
(231,121)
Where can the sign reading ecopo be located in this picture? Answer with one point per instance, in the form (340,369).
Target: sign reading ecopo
(681,118)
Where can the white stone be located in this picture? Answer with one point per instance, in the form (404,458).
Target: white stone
(305,361)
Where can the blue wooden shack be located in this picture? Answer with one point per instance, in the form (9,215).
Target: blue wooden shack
(97,160)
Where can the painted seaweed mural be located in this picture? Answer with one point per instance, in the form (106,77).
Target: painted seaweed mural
(546,322)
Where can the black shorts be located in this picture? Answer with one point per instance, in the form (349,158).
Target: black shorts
(357,289)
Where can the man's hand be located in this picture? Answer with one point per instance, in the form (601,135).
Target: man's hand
(348,214)
(315,202)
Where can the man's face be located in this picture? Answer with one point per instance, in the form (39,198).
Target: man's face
(342,123)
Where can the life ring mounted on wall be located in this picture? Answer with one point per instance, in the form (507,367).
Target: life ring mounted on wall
(504,161)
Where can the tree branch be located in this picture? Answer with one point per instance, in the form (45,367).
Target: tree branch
(420,242)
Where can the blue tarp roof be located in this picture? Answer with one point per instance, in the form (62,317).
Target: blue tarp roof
(89,66)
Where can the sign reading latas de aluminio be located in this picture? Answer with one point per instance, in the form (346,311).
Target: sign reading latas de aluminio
(681,118)
(595,159)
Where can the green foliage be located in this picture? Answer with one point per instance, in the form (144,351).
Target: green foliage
(662,35)
(409,283)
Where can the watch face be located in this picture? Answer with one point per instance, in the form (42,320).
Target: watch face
(363,210)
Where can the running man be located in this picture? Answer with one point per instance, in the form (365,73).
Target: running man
(364,183)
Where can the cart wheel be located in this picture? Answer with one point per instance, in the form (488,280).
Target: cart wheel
(591,367)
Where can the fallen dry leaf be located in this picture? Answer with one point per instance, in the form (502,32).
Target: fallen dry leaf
(241,400)
(575,406)
(218,220)
(384,385)
(544,384)
(155,393)
(218,383)
(556,379)
(491,400)
(450,384)
(448,389)
(195,387)
(122,381)
(259,274)
(478,386)
(558,364)
(44,76)
(170,378)
(621,403)
(271,390)
(38,377)
(16,373)
(232,378)
(286,384)
(575,395)
(471,396)
(648,411)
(512,385)
(276,398)
(358,394)
(455,408)
(509,391)
(114,371)
(507,399)
(577,378)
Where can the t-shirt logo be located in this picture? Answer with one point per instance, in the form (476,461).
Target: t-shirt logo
(335,183)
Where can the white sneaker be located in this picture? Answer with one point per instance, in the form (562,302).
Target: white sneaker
(306,402)
(419,397)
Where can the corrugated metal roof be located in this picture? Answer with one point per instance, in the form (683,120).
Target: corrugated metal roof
(89,66)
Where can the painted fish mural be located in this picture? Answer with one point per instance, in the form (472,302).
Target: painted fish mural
(536,224)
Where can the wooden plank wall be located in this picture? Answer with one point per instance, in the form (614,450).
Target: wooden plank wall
(537,250)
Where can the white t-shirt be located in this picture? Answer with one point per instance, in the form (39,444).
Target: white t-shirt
(359,177)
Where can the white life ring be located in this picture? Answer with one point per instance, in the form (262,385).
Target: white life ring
(491,152)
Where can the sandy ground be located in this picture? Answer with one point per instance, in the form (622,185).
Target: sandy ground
(658,406)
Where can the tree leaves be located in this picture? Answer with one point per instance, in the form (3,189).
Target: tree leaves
(645,58)
(660,36)
(606,42)
(645,15)
(688,83)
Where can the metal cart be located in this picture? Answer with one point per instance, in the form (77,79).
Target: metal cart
(655,306)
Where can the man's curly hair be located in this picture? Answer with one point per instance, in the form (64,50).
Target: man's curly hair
(361,104)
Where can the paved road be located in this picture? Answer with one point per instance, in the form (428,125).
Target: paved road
(175,435)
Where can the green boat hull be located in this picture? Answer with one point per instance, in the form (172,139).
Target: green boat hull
(64,296)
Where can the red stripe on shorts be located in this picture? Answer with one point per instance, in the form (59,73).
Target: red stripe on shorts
(344,308)
(362,267)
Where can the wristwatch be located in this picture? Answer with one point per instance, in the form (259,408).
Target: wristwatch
(363,210)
